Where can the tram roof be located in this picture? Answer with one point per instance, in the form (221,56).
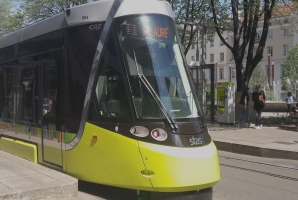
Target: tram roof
(83,14)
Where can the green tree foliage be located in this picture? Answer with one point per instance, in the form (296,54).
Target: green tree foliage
(35,10)
(8,22)
(290,69)
(190,14)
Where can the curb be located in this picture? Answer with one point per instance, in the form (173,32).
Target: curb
(291,127)
(255,151)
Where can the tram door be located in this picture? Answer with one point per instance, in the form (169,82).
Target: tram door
(52,144)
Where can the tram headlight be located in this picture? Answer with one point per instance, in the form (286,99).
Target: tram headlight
(139,131)
(159,134)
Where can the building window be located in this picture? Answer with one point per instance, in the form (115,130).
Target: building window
(221,43)
(270,34)
(221,73)
(192,58)
(285,50)
(193,45)
(211,43)
(286,32)
(222,56)
(270,51)
(233,72)
(201,59)
(232,40)
(212,57)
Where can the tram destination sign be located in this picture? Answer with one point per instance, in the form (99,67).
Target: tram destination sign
(149,31)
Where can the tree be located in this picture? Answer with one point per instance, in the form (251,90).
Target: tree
(35,10)
(8,21)
(190,16)
(290,70)
(245,18)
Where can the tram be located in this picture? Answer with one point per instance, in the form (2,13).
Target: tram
(103,93)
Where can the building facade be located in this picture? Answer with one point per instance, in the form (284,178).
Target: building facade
(280,39)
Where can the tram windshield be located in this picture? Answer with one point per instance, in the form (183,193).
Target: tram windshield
(150,46)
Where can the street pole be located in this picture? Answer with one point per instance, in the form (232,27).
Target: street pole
(230,73)
(269,69)
(204,38)
(216,74)
(197,50)
(272,72)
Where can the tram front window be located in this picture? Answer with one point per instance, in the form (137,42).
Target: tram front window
(150,47)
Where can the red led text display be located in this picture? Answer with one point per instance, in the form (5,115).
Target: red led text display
(146,31)
(158,32)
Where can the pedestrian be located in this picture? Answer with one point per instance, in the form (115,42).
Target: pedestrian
(259,98)
(244,104)
(289,101)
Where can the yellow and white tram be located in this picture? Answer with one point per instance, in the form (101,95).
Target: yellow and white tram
(103,93)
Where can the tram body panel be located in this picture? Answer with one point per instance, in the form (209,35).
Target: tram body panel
(181,169)
(89,12)
(135,7)
(112,159)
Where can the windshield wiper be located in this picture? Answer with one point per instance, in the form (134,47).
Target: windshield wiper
(162,107)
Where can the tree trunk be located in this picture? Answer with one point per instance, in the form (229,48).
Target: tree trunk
(239,75)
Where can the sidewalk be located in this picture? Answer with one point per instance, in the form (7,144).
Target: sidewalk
(272,141)
(23,179)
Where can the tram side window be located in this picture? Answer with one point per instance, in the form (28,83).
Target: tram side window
(52,90)
(27,93)
(109,100)
(7,106)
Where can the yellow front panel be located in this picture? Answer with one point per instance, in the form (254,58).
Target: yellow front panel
(181,169)
(112,159)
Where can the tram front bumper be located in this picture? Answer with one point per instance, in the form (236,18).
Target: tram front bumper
(178,169)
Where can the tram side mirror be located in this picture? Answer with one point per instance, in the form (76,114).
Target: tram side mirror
(114,107)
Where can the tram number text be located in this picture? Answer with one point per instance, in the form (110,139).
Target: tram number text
(195,141)
(158,32)
(84,17)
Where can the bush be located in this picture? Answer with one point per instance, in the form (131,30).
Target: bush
(278,120)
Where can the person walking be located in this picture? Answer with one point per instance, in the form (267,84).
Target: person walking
(244,103)
(289,101)
(259,98)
